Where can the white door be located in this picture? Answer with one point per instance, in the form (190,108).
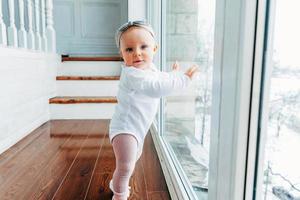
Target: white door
(87,27)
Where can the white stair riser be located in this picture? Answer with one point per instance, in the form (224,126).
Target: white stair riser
(87,88)
(90,68)
(82,111)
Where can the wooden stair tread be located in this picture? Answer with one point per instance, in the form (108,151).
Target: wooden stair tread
(87,78)
(74,100)
(108,58)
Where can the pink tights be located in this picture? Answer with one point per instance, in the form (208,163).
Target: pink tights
(126,152)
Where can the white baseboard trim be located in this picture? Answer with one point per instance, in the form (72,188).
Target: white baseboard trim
(174,183)
(20,134)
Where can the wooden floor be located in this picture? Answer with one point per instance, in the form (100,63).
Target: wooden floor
(73,159)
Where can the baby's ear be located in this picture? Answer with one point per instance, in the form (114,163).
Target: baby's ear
(155,48)
(120,53)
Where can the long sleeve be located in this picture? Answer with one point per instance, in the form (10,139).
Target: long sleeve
(162,84)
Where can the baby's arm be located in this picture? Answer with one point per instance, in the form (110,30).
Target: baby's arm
(162,85)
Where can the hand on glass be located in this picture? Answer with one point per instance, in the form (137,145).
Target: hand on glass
(190,72)
(175,66)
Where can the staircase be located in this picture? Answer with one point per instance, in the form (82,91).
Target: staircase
(86,88)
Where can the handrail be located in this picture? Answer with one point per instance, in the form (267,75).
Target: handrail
(31,37)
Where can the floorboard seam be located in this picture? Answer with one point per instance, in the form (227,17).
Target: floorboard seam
(69,169)
(88,188)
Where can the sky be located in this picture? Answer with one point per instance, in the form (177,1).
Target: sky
(287,32)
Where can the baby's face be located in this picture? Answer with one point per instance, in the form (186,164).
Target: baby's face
(137,47)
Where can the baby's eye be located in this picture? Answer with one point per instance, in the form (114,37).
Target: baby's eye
(144,46)
(128,49)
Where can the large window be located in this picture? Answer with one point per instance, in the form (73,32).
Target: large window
(209,134)
(188,37)
(281,164)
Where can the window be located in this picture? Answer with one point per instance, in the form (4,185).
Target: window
(188,34)
(278,165)
(203,132)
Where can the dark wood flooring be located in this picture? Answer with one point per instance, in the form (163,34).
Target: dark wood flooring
(73,159)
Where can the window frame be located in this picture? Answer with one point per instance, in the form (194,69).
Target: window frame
(259,107)
(234,58)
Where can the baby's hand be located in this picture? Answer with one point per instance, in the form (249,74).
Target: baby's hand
(175,66)
(191,71)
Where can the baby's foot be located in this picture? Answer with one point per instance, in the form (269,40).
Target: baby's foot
(119,195)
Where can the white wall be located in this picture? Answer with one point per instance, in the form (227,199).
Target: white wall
(27,82)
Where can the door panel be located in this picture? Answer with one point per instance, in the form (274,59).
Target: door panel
(88,26)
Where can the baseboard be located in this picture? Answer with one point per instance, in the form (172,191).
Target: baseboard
(23,132)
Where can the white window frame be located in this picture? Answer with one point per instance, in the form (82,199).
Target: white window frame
(235,26)
(260,99)
(233,70)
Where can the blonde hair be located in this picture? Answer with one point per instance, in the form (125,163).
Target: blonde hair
(129,24)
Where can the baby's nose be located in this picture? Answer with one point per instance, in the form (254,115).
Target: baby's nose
(137,52)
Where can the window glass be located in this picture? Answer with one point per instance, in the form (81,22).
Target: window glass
(189,33)
(281,161)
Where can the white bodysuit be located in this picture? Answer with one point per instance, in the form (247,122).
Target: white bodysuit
(138,99)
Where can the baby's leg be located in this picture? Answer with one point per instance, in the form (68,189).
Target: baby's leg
(125,149)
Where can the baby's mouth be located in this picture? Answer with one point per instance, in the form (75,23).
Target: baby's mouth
(138,61)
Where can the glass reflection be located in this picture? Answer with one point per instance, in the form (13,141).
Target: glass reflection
(281,165)
(189,39)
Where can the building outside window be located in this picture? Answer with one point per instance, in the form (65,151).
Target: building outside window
(189,36)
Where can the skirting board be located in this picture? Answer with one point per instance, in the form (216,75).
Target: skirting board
(23,133)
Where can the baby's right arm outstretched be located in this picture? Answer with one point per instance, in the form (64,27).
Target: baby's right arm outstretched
(163,85)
